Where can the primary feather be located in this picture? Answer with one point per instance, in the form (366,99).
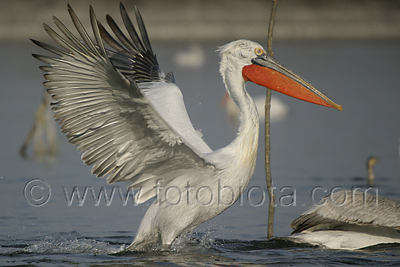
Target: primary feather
(107,112)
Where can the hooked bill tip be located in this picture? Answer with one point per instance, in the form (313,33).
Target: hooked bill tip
(334,105)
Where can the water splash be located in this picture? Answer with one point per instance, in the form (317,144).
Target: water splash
(193,239)
(71,244)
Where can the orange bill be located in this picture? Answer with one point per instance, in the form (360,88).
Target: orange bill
(265,71)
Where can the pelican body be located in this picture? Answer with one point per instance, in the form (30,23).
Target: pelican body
(349,219)
(128,119)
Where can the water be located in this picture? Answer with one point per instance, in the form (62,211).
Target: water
(314,147)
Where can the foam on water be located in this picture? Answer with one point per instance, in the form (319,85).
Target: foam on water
(64,245)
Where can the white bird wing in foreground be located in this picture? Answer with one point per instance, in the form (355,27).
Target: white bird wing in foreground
(128,120)
(350,207)
(350,220)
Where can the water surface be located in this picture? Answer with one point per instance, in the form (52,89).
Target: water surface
(313,147)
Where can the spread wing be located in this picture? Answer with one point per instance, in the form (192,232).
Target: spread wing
(109,104)
(349,207)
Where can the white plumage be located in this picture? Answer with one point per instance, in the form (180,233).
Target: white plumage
(129,121)
(278,110)
(350,220)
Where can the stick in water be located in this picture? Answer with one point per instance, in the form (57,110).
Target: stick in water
(271,209)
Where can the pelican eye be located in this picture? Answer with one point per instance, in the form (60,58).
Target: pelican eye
(258,51)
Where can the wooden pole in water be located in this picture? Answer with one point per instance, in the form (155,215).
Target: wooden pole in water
(271,209)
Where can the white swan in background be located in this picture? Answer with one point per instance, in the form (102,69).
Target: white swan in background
(129,121)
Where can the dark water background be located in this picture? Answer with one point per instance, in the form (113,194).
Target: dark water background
(314,146)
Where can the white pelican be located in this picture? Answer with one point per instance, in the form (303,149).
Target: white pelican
(349,219)
(128,119)
(42,135)
(278,110)
(194,57)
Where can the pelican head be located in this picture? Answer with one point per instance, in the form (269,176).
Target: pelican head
(259,67)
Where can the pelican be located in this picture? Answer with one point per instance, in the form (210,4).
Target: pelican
(349,220)
(42,135)
(193,57)
(128,119)
(278,110)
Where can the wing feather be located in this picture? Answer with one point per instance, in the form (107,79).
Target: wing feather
(121,37)
(131,29)
(107,115)
(141,26)
(349,207)
(85,36)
